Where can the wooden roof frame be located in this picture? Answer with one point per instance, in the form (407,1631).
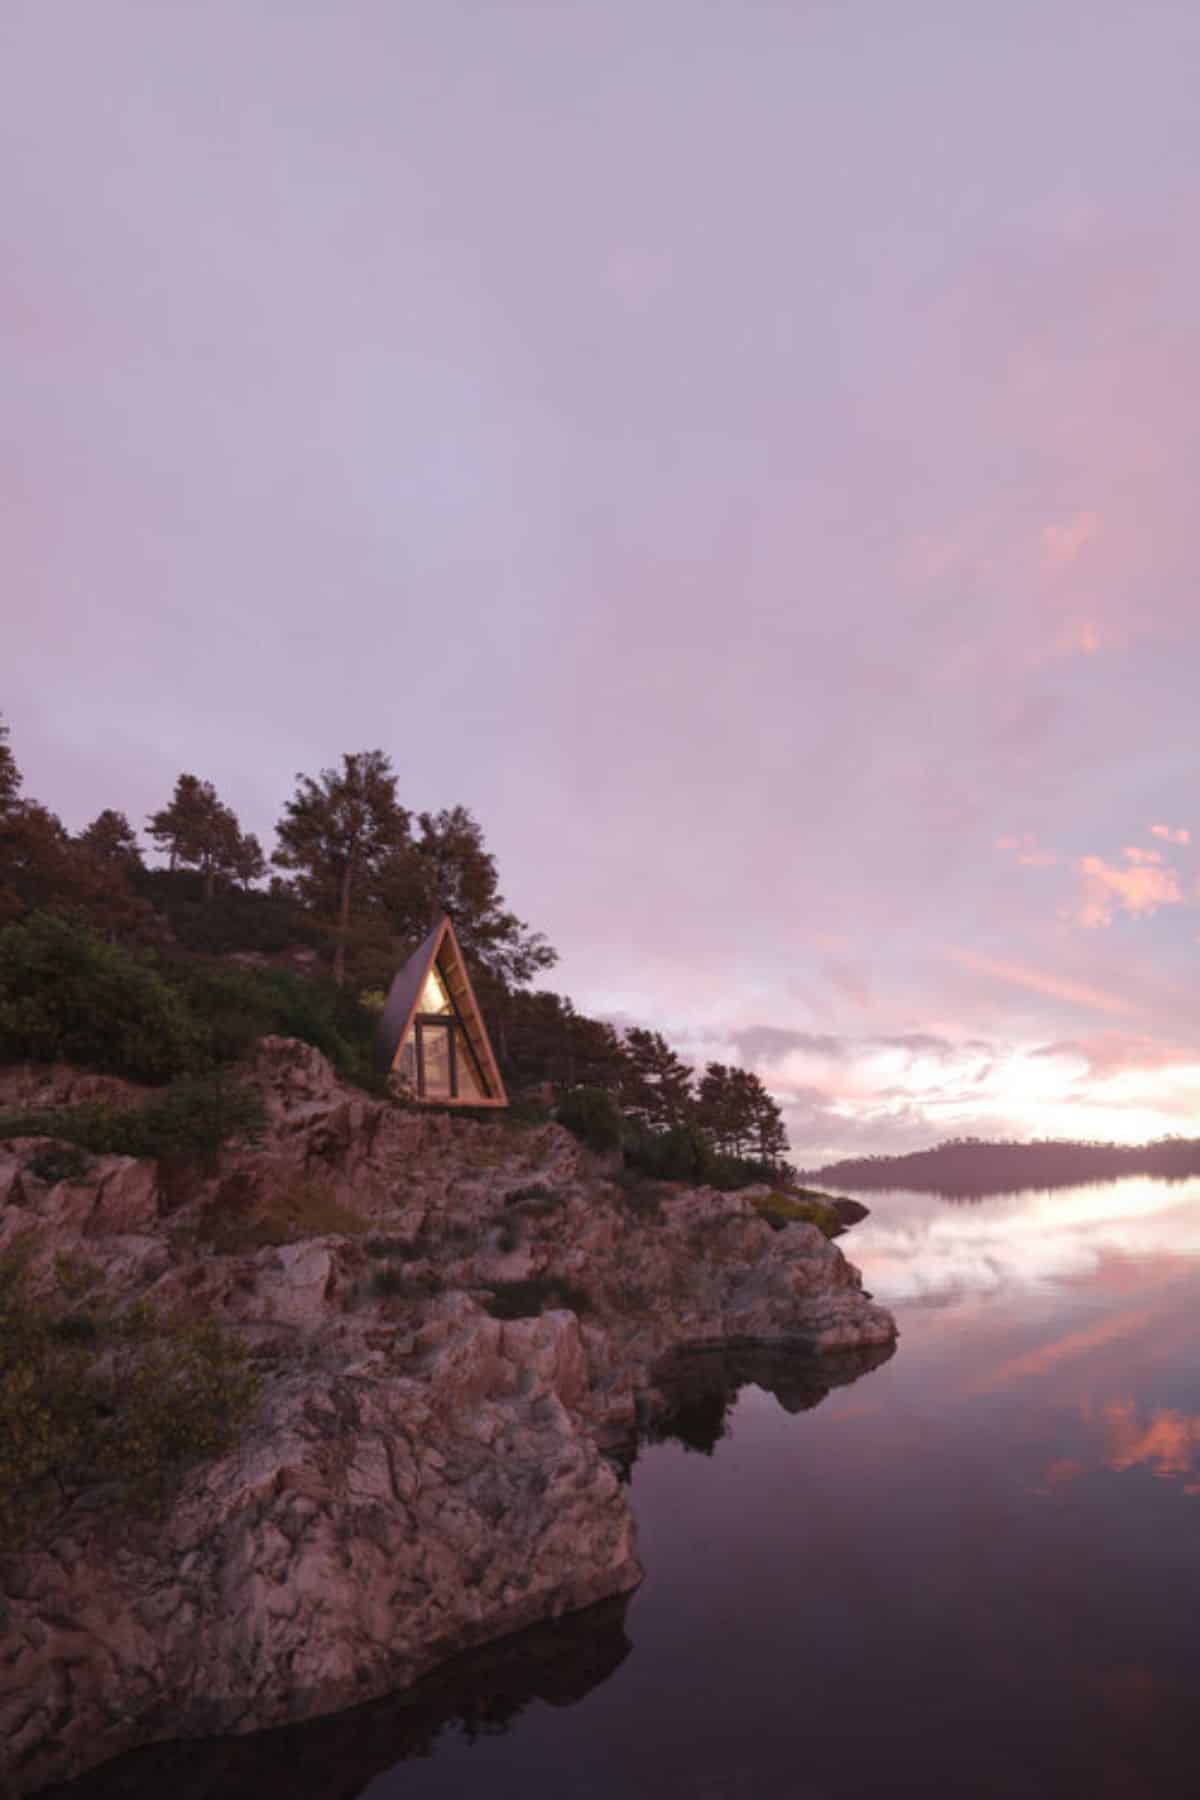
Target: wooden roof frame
(439,950)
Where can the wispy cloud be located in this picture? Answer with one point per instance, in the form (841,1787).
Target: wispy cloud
(1042,981)
(1028,851)
(1178,834)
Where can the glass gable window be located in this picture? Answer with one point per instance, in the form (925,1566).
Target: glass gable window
(434,998)
(439,1060)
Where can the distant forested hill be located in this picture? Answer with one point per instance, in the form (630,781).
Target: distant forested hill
(972,1166)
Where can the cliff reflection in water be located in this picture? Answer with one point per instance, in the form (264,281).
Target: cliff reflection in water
(701,1387)
(484,1693)
(480,1694)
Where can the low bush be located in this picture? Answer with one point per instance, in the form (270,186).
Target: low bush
(88,1401)
(681,1154)
(58,1162)
(233,1007)
(536,1294)
(593,1116)
(68,996)
(193,1118)
(400,1284)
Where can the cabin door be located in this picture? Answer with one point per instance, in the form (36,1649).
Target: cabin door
(435,1059)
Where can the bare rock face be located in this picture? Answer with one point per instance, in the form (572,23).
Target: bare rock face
(420,1476)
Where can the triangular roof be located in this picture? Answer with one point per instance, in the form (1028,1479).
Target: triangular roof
(440,951)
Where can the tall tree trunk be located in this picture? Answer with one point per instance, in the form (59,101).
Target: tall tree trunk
(210,873)
(343,925)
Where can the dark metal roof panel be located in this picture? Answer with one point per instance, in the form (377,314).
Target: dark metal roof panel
(402,997)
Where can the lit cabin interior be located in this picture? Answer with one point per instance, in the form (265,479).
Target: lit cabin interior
(432,1035)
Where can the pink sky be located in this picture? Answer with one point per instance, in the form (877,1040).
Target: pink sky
(746,453)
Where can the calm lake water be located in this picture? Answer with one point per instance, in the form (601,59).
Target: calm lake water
(971,1571)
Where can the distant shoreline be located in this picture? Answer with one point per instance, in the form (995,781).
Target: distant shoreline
(973,1167)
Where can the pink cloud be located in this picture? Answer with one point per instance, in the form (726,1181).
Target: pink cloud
(1062,544)
(1138,890)
(1141,856)
(1177,835)
(1168,1444)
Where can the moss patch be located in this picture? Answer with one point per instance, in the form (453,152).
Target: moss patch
(779,1210)
(237,1222)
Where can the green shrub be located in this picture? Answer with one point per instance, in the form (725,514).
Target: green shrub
(234,1007)
(537,1293)
(593,1116)
(525,1109)
(399,1284)
(67,996)
(164,1394)
(193,1118)
(680,1154)
(58,1162)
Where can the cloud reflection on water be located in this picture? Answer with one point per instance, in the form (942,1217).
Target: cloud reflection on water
(920,1249)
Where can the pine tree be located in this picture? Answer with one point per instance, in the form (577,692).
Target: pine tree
(656,1084)
(769,1139)
(10,775)
(448,868)
(338,832)
(198,830)
(714,1106)
(178,828)
(112,837)
(248,864)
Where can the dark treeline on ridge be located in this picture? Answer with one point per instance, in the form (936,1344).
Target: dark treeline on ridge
(174,969)
(965,1167)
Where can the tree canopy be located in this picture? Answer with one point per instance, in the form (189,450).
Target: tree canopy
(10,775)
(337,833)
(364,878)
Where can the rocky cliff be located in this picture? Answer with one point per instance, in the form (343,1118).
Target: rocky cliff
(419,1475)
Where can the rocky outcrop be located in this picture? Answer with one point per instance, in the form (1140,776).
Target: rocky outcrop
(420,1475)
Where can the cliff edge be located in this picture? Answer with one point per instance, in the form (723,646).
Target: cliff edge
(423,1468)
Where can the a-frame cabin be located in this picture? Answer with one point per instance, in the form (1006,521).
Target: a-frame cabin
(432,1033)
